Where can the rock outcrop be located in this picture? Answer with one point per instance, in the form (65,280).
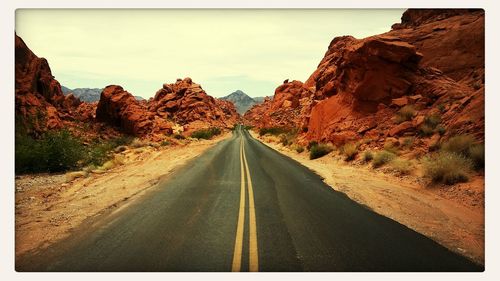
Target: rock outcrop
(186,103)
(119,108)
(40,103)
(361,84)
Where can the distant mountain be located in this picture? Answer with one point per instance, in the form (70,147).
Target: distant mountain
(242,101)
(259,99)
(88,94)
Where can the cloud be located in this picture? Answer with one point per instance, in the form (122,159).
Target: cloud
(223,50)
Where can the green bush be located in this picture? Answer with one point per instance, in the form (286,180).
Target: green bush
(288,138)
(382,157)
(350,150)
(367,156)
(425,130)
(447,167)
(206,133)
(271,131)
(406,113)
(55,151)
(311,144)
(165,143)
(319,150)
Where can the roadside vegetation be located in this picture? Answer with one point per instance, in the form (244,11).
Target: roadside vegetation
(447,161)
(319,150)
(206,133)
(60,151)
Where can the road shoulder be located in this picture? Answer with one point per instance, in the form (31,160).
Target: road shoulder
(50,207)
(456,226)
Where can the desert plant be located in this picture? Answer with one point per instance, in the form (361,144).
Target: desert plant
(311,144)
(405,113)
(441,130)
(299,149)
(179,137)
(447,167)
(350,150)
(401,166)
(390,147)
(460,144)
(55,151)
(382,157)
(432,120)
(271,131)
(408,142)
(165,143)
(367,156)
(476,155)
(441,108)
(319,150)
(206,133)
(425,130)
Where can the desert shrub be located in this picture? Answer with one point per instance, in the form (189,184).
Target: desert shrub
(447,167)
(248,127)
(441,130)
(99,152)
(425,130)
(299,149)
(350,150)
(55,151)
(311,144)
(122,140)
(405,113)
(178,137)
(476,155)
(459,144)
(391,148)
(165,143)
(367,156)
(408,142)
(206,133)
(289,137)
(432,120)
(382,157)
(401,166)
(319,150)
(271,131)
(441,108)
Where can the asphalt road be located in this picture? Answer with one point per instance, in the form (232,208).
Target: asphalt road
(242,206)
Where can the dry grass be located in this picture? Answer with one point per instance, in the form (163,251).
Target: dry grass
(447,167)
(382,157)
(350,150)
(401,166)
(367,156)
(406,113)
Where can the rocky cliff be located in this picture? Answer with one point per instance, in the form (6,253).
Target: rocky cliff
(41,105)
(432,64)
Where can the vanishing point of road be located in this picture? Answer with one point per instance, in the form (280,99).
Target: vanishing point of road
(242,206)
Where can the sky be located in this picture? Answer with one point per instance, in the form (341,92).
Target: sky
(222,50)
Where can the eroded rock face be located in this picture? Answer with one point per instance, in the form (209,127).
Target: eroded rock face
(119,108)
(360,84)
(185,102)
(40,103)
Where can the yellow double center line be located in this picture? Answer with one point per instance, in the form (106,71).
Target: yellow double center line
(238,245)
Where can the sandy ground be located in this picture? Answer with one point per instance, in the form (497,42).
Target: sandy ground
(452,216)
(48,207)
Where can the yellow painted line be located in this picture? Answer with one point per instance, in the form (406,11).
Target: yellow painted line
(238,245)
(253,250)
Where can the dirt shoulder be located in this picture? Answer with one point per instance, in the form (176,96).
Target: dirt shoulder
(452,216)
(49,207)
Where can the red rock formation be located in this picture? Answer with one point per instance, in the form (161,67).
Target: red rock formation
(40,102)
(360,84)
(119,108)
(186,103)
